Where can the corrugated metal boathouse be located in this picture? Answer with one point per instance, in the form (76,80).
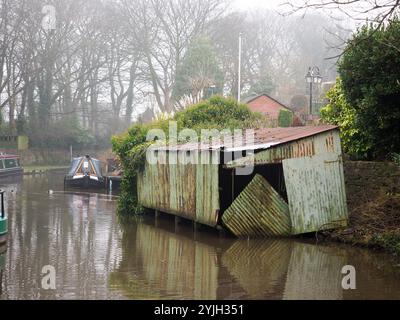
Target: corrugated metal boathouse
(297,185)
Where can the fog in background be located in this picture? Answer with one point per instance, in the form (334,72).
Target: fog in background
(94,67)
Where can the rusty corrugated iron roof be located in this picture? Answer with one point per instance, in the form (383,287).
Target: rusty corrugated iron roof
(264,139)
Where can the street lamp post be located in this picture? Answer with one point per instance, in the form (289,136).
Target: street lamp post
(313,76)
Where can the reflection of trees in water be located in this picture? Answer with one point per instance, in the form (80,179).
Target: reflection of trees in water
(74,233)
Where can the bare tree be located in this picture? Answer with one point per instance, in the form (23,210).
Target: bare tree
(379,11)
(163,30)
(11,84)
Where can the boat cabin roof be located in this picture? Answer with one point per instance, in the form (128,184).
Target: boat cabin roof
(85,157)
(8,156)
(76,163)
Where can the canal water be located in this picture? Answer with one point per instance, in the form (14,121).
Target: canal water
(96,256)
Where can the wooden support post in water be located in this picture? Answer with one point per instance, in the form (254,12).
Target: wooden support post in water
(196,226)
(195,229)
(233,184)
(221,231)
(156,217)
(177,222)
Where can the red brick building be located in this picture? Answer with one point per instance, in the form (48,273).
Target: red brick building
(267,105)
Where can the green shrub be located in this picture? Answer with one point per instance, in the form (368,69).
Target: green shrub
(396,158)
(389,241)
(356,142)
(285,118)
(370,73)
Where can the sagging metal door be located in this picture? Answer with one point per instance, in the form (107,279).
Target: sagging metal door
(259,211)
(316,193)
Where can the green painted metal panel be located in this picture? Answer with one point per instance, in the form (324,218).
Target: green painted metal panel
(3,230)
(316,193)
(3,226)
(259,211)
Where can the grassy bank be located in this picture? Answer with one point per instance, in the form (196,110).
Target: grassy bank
(373,224)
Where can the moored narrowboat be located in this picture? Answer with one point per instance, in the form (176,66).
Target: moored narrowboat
(10,165)
(85,172)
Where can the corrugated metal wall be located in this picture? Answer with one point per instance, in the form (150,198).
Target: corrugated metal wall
(316,193)
(187,190)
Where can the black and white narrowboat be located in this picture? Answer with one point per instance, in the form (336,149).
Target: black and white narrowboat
(10,165)
(85,172)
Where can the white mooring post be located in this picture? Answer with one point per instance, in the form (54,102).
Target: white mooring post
(240,67)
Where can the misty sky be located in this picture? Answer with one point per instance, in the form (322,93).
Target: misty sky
(249,4)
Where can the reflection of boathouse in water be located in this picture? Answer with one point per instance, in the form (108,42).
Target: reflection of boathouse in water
(297,185)
(162,263)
